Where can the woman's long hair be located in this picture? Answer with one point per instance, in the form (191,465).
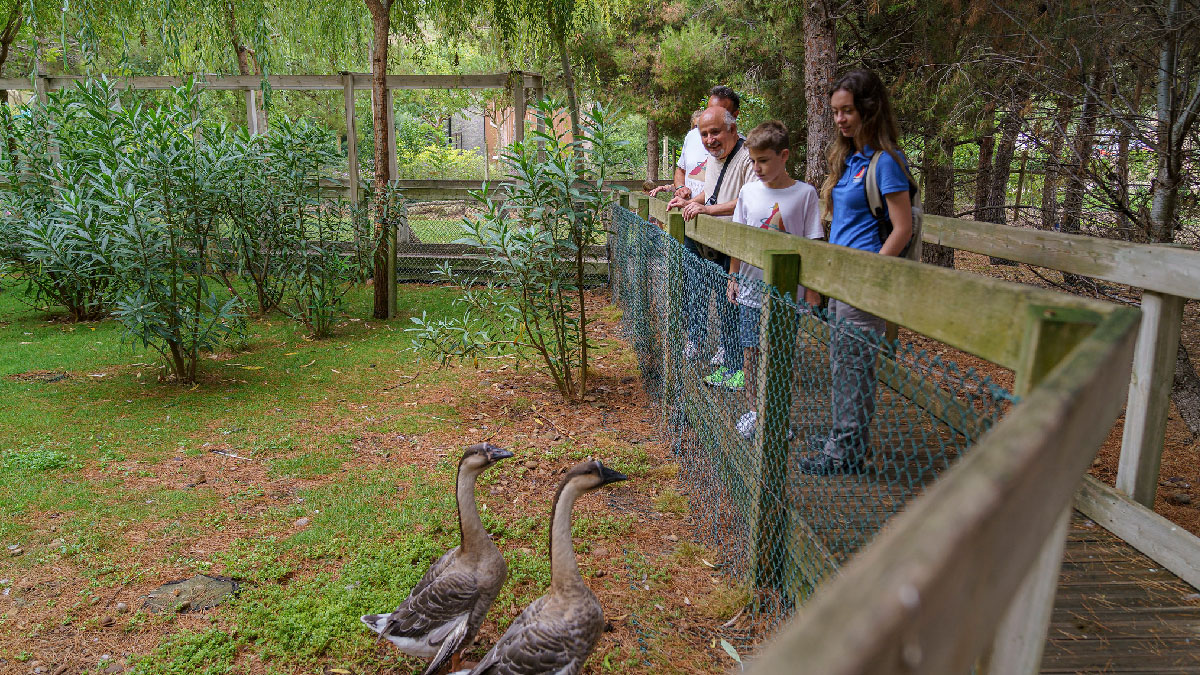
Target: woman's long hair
(878,129)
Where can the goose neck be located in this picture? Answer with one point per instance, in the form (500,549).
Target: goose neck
(564,569)
(470,527)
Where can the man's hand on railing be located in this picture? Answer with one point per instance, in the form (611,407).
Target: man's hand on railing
(681,199)
(668,188)
(693,209)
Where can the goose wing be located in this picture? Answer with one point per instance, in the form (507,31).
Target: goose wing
(435,570)
(439,603)
(544,641)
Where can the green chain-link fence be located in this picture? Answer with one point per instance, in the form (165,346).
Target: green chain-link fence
(784,510)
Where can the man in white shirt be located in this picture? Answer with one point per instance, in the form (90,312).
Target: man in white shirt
(693,158)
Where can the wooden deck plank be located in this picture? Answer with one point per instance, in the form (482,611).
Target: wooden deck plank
(1117,611)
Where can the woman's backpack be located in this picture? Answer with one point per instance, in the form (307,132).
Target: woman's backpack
(877,204)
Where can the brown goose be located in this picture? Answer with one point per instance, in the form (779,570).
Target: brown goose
(558,631)
(442,613)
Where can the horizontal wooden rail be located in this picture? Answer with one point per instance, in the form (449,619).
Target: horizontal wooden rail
(1166,269)
(291,82)
(929,593)
(979,315)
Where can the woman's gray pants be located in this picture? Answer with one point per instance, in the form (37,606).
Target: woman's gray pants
(853,348)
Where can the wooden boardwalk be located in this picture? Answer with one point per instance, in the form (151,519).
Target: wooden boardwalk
(1117,611)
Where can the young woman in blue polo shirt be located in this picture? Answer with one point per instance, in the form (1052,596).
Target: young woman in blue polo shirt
(865,125)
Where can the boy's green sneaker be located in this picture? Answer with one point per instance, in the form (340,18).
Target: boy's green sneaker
(717,378)
(735,381)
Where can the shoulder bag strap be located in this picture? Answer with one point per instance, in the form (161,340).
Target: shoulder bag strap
(712,199)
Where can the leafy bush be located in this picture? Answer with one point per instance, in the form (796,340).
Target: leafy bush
(535,230)
(118,202)
(55,232)
(171,210)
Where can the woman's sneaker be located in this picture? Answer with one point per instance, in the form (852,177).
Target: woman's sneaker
(717,379)
(734,381)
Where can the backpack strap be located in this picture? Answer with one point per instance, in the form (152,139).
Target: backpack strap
(878,208)
(875,198)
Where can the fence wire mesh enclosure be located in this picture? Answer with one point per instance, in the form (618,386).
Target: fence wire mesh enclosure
(787,482)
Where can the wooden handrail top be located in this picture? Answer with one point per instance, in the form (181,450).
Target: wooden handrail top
(1162,268)
(977,314)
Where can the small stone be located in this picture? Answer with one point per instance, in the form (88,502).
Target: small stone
(106,621)
(15,550)
(531,465)
(526,551)
(115,668)
(598,574)
(671,537)
(1179,498)
(175,592)
(302,522)
(600,551)
(122,608)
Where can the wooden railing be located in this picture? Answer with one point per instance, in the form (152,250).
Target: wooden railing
(967,574)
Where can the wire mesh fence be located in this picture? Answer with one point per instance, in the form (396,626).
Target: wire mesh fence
(799,430)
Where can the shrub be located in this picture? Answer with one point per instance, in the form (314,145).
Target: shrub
(535,230)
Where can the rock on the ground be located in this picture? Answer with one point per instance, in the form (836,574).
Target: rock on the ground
(189,595)
(1179,498)
(302,522)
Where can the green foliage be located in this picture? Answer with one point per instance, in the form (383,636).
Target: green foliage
(534,231)
(35,460)
(211,652)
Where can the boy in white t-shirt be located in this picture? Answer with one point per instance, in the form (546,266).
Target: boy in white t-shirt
(775,201)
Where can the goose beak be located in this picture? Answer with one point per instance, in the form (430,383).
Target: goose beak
(607,476)
(495,454)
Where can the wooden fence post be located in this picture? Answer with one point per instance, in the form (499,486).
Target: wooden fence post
(769,527)
(518,94)
(1149,396)
(676,287)
(539,94)
(393,169)
(1021,636)
(251,112)
(642,273)
(351,136)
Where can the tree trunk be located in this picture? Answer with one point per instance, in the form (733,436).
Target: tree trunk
(244,55)
(939,193)
(987,144)
(1054,162)
(11,25)
(569,83)
(1081,149)
(381,27)
(652,150)
(997,184)
(820,64)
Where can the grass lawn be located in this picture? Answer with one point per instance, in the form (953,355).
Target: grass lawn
(330,495)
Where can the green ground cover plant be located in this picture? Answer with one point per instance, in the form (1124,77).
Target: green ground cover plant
(338,499)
